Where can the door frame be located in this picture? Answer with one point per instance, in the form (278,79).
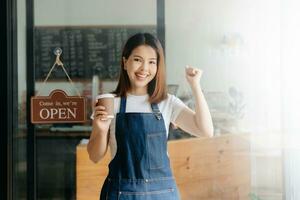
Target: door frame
(8,105)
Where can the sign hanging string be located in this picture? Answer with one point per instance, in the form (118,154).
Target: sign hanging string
(58,62)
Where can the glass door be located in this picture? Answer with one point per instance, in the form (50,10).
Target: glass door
(91,35)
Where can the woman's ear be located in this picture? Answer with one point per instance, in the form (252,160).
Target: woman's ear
(124,63)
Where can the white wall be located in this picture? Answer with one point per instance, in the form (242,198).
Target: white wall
(94,12)
(291,97)
(236,43)
(195,32)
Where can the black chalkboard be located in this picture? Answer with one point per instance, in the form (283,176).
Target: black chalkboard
(86,50)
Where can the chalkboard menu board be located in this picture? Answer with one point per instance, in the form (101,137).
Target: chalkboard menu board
(86,50)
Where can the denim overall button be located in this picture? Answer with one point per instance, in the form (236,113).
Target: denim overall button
(146,180)
(158,116)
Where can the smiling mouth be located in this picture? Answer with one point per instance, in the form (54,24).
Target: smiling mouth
(141,76)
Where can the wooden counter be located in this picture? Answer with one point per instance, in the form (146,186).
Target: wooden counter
(215,168)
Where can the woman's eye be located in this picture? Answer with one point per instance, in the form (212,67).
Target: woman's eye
(152,62)
(136,59)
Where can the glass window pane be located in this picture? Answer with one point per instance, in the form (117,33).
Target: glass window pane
(20,136)
(91,35)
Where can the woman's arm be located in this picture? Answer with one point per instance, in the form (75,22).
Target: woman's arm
(198,122)
(98,142)
(98,145)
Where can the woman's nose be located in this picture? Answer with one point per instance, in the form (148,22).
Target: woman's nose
(145,66)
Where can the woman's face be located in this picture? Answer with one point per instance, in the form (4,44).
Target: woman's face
(141,67)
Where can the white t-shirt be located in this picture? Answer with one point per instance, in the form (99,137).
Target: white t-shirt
(170,109)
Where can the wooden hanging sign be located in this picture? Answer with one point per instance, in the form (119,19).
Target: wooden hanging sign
(58,107)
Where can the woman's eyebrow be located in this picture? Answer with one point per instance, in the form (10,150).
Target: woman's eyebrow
(137,56)
(143,58)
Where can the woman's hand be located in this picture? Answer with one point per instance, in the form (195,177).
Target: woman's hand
(193,75)
(100,118)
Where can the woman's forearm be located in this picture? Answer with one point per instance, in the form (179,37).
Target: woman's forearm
(202,115)
(97,145)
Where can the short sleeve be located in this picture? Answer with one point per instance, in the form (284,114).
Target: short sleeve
(177,106)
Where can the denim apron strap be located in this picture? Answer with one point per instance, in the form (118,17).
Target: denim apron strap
(123,105)
(156,111)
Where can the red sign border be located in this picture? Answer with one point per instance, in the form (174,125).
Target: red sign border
(49,97)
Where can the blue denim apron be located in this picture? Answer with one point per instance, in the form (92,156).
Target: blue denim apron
(140,169)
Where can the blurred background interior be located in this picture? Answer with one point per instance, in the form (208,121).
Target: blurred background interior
(248,51)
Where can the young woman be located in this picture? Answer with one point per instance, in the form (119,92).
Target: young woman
(137,136)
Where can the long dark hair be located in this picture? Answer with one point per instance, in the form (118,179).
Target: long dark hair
(157,89)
